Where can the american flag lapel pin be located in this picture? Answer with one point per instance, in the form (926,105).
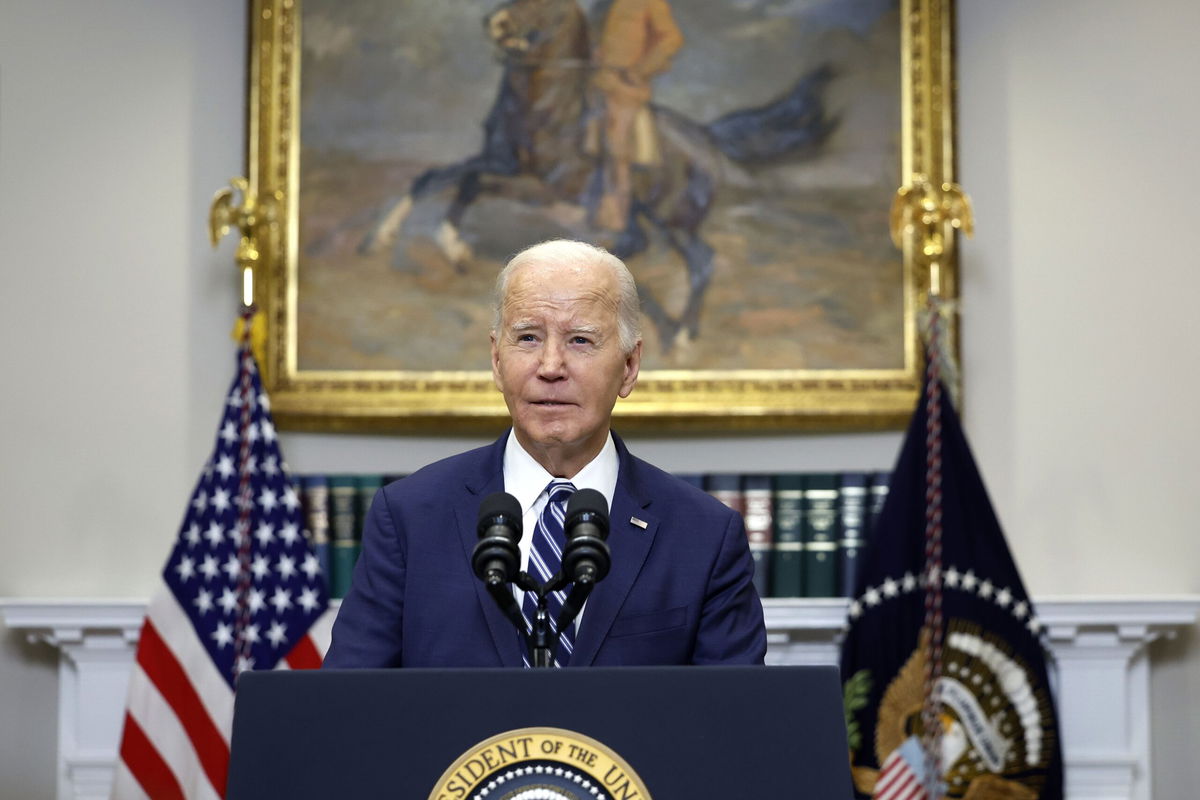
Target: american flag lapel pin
(641,523)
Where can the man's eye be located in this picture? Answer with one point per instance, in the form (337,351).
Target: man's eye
(526,337)
(580,340)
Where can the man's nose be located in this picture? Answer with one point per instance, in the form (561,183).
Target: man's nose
(552,364)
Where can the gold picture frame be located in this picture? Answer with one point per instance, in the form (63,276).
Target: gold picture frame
(666,400)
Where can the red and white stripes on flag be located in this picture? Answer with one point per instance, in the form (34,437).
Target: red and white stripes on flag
(898,780)
(175,742)
(241,590)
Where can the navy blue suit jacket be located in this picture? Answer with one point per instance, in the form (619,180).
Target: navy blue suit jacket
(679,592)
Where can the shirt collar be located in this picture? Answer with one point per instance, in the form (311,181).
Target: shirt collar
(526,479)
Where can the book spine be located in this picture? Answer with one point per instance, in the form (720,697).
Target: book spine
(314,496)
(852,521)
(878,497)
(756,494)
(343,522)
(727,487)
(820,535)
(787,575)
(367,486)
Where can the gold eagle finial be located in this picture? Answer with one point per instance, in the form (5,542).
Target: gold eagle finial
(922,209)
(252,216)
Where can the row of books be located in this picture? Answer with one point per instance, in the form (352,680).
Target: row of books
(335,507)
(807,531)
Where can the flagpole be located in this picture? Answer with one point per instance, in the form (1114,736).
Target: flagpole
(924,215)
(252,219)
(242,642)
(934,627)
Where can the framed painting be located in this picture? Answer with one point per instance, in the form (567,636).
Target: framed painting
(741,157)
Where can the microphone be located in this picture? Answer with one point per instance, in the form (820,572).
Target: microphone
(586,558)
(496,558)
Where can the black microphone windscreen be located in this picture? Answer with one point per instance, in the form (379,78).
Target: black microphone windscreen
(587,500)
(500,504)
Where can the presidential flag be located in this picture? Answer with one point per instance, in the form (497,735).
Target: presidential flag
(943,665)
(241,590)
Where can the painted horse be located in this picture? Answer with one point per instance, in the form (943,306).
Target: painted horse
(543,124)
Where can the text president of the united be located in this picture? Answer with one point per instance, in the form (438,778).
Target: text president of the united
(565,346)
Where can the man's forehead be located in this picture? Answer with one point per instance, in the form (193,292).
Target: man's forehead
(536,284)
(574,313)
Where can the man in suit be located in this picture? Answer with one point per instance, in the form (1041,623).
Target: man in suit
(565,346)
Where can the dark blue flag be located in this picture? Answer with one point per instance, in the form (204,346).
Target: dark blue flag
(996,730)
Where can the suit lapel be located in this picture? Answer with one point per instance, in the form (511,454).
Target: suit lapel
(489,478)
(630,545)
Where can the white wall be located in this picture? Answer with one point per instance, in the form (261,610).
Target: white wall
(1078,127)
(1078,130)
(1077,133)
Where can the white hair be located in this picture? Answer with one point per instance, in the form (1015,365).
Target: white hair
(566,252)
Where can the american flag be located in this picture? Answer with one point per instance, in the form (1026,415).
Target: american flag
(900,777)
(241,590)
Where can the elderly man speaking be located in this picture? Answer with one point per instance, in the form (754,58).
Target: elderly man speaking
(565,346)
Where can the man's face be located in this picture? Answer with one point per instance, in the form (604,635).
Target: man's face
(557,358)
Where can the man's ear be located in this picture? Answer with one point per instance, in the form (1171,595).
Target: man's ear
(496,363)
(633,363)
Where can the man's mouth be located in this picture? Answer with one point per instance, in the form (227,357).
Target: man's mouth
(550,403)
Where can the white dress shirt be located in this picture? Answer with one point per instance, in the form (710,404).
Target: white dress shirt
(526,480)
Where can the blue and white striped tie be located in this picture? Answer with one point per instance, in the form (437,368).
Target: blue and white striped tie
(545,559)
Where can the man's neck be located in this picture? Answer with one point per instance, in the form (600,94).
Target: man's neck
(563,461)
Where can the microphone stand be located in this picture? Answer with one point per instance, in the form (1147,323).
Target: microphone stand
(503,596)
(541,651)
(574,602)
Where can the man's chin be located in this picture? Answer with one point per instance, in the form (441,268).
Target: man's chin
(548,430)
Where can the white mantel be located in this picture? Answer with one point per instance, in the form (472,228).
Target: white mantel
(1099,644)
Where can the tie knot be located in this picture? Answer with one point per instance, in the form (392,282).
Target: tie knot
(559,491)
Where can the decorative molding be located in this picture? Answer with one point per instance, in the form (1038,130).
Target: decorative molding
(1100,667)
(65,622)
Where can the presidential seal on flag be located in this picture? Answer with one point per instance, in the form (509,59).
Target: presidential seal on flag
(996,726)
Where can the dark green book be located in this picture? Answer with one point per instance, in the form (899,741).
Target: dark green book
(343,521)
(368,485)
(852,522)
(756,495)
(787,574)
(820,534)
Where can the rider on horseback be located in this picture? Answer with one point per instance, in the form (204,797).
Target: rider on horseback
(638,41)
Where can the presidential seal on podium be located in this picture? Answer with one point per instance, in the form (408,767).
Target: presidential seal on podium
(539,764)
